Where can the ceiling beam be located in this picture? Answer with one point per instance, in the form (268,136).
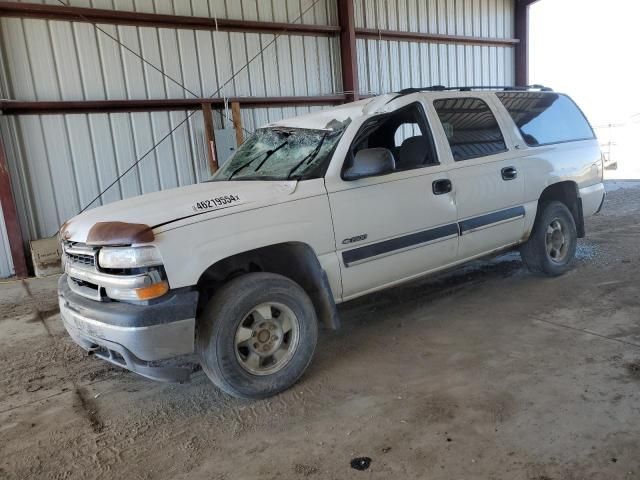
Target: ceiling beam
(345,29)
(122,17)
(14,107)
(433,37)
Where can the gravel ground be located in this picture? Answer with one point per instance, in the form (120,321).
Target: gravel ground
(486,372)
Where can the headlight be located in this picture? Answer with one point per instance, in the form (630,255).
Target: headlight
(129,257)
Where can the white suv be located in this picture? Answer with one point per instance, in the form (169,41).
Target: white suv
(320,209)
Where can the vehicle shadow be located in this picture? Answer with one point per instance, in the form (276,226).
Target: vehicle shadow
(395,307)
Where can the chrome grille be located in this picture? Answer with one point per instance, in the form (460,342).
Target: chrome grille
(84,257)
(81,259)
(80,254)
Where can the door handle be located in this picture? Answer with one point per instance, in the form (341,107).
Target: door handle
(509,173)
(441,186)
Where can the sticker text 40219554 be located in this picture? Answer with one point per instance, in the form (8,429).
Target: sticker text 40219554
(216,202)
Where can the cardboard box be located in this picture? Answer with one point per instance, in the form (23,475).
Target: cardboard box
(45,255)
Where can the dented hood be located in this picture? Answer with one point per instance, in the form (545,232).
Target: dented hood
(152,211)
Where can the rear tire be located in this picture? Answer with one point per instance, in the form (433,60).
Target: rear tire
(257,335)
(551,247)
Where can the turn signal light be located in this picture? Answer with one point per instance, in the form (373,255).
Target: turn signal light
(152,291)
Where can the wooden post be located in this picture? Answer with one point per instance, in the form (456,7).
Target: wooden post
(237,122)
(10,213)
(207,115)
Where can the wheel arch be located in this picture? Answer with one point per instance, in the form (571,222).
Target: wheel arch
(566,192)
(294,260)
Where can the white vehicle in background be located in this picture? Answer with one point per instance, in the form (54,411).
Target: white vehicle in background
(320,209)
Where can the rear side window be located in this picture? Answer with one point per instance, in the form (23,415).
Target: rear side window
(470,127)
(545,118)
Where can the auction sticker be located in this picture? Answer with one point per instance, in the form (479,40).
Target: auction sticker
(214,203)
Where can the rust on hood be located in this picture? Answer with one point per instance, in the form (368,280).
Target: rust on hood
(119,233)
(65,231)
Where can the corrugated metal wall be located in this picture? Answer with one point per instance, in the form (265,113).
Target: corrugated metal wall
(6,264)
(59,163)
(62,162)
(385,65)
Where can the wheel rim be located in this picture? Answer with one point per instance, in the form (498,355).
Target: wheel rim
(266,338)
(556,240)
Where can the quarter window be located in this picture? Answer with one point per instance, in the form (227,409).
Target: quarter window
(545,117)
(471,128)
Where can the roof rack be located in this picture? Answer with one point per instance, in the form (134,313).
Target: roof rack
(442,88)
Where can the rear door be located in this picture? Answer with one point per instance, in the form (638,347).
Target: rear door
(486,173)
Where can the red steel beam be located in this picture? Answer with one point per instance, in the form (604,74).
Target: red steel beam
(10,213)
(433,37)
(14,107)
(121,17)
(348,52)
(522,34)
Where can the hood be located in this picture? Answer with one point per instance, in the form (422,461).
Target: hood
(158,209)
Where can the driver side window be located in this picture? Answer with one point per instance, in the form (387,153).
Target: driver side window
(404,133)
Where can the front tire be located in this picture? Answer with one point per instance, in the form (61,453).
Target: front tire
(257,335)
(551,247)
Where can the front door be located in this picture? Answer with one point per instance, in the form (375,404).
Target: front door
(395,226)
(487,176)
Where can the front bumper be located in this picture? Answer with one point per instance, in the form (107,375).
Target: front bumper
(150,340)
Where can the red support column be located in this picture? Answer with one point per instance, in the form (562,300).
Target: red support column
(522,34)
(348,52)
(11,218)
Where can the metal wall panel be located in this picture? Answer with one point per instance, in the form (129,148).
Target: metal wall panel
(385,65)
(61,162)
(478,18)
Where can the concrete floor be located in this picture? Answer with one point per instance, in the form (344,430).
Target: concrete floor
(487,372)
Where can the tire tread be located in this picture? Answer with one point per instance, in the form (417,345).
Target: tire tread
(210,340)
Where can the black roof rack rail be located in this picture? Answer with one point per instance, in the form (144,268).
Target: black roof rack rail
(508,88)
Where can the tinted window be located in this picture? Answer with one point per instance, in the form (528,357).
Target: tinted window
(471,128)
(545,118)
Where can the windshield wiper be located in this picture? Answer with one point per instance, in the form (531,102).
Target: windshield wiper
(269,153)
(245,165)
(309,158)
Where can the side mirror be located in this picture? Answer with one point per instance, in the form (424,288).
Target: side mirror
(369,163)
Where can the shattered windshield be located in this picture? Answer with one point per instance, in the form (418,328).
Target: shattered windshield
(281,153)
